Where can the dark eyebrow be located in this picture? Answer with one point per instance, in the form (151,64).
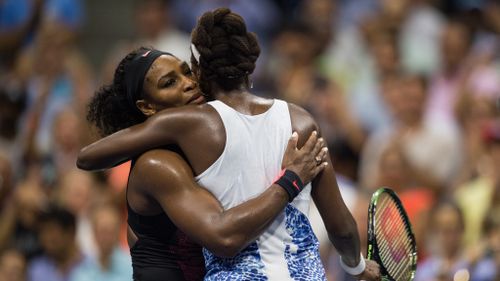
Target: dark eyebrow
(185,66)
(171,73)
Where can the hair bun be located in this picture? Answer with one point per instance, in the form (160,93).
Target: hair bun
(233,24)
(227,51)
(219,14)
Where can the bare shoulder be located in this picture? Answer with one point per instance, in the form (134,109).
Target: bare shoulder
(302,122)
(187,112)
(161,165)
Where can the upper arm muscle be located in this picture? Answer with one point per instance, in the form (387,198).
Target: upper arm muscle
(302,123)
(325,192)
(171,126)
(169,179)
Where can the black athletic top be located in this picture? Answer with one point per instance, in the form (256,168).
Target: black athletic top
(163,252)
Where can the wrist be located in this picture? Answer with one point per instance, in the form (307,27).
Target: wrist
(279,193)
(296,172)
(291,183)
(356,270)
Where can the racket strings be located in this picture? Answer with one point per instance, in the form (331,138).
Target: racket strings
(392,250)
(396,266)
(395,248)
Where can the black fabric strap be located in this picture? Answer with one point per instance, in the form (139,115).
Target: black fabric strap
(292,184)
(135,72)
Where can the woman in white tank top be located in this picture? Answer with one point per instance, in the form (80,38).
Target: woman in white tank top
(234,145)
(166,230)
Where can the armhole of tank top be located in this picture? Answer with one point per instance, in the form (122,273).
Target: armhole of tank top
(283,105)
(286,105)
(130,210)
(218,109)
(132,163)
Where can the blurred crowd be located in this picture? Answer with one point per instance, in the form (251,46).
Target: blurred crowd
(406,92)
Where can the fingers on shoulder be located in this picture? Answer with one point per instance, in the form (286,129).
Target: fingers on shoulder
(302,122)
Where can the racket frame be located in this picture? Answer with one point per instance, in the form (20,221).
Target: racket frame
(372,241)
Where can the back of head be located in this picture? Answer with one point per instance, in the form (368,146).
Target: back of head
(60,216)
(225,52)
(109,109)
(57,233)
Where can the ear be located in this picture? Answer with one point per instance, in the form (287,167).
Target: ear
(145,107)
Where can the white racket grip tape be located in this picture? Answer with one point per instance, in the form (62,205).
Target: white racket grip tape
(358,269)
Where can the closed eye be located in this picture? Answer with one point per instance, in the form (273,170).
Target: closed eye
(186,70)
(169,82)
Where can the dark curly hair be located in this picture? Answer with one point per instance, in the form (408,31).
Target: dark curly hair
(227,51)
(109,110)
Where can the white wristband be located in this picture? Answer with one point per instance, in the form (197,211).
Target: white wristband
(357,270)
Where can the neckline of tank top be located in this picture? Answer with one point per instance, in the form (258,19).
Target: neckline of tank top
(248,115)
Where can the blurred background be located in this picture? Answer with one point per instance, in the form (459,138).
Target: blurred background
(406,94)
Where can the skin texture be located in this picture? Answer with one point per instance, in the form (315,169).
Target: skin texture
(223,232)
(186,126)
(162,181)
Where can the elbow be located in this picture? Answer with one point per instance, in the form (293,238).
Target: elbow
(348,232)
(344,236)
(227,247)
(83,162)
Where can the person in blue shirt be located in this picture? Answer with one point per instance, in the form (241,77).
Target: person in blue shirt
(111,263)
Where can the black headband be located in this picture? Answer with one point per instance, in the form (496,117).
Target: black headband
(135,72)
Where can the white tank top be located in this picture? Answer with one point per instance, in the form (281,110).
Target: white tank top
(249,164)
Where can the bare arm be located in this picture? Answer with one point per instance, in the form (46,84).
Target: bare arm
(168,178)
(164,128)
(339,222)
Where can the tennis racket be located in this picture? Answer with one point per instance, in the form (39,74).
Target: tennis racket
(391,242)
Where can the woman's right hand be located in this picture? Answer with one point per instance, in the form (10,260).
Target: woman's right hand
(308,161)
(371,272)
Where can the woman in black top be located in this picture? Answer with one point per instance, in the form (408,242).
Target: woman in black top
(165,205)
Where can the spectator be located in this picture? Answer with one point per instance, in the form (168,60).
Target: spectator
(444,87)
(12,266)
(154,26)
(19,218)
(419,38)
(262,16)
(475,110)
(18,20)
(360,67)
(68,137)
(296,50)
(488,266)
(57,77)
(12,103)
(420,139)
(6,178)
(111,262)
(58,238)
(482,188)
(444,241)
(76,192)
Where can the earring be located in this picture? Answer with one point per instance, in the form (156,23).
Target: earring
(249,81)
